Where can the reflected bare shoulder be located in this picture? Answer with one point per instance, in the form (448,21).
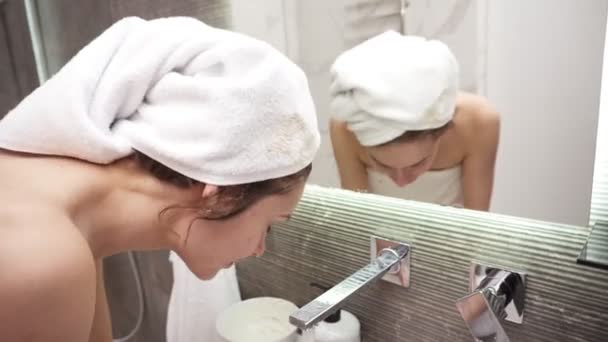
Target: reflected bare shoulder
(480,120)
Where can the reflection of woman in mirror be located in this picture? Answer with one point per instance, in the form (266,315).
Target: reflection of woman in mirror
(401,128)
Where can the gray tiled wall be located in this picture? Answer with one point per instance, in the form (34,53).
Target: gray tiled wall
(329,238)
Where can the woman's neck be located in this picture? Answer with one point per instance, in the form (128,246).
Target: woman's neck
(115,207)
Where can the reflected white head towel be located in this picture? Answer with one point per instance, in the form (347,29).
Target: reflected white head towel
(391,84)
(214,105)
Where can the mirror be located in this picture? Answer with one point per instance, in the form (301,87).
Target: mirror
(543,79)
(595,251)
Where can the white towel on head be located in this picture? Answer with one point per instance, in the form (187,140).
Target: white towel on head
(214,105)
(391,84)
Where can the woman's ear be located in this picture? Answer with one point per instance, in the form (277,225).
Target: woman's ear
(210,190)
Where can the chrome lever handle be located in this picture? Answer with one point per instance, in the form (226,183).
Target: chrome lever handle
(497,295)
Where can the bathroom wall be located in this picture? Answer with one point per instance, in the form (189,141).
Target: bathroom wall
(328,239)
(544,76)
(17,66)
(66,28)
(268,23)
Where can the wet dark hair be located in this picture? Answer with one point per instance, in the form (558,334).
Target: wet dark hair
(229,200)
(416,135)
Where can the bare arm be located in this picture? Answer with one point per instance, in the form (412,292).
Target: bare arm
(479,162)
(353,174)
(102,326)
(47,285)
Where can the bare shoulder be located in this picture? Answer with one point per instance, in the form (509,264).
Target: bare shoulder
(478,111)
(339,128)
(478,119)
(47,279)
(343,140)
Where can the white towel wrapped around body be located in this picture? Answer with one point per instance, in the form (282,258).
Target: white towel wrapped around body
(195,304)
(214,105)
(391,84)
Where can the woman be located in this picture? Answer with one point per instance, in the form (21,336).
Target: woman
(162,134)
(402,129)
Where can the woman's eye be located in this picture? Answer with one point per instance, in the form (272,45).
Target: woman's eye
(268,229)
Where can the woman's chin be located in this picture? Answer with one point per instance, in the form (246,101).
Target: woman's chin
(207,274)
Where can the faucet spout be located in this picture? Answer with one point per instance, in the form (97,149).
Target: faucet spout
(327,303)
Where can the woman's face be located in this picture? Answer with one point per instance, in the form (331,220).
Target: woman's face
(405,161)
(215,244)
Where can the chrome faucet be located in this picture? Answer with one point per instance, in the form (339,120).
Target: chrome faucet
(320,308)
(498,295)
